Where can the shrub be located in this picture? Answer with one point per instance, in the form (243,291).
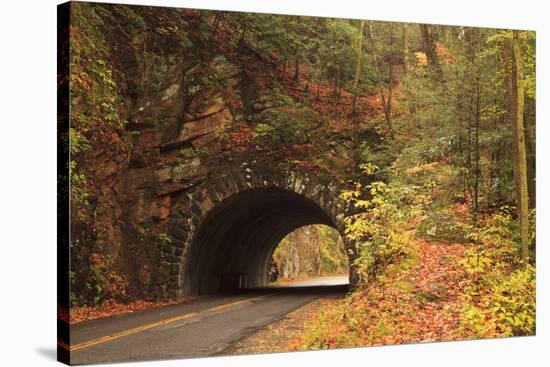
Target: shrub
(378,230)
(263,132)
(503,305)
(500,300)
(442,226)
(285,126)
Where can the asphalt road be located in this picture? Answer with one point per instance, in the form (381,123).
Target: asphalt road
(201,328)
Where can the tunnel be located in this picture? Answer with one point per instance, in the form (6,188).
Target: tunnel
(233,245)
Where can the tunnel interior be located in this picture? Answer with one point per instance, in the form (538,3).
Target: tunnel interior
(233,245)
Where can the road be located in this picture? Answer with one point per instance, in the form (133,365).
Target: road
(201,328)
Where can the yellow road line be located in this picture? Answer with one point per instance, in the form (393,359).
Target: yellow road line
(139,329)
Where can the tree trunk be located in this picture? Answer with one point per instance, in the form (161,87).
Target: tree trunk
(477,168)
(516,97)
(469,157)
(297,70)
(387,101)
(429,43)
(284,70)
(318,89)
(405,38)
(405,52)
(243,33)
(216,24)
(531,160)
(358,64)
(369,30)
(471,37)
(341,79)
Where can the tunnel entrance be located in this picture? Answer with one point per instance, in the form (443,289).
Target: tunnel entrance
(233,246)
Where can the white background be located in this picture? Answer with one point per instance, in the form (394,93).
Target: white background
(28,182)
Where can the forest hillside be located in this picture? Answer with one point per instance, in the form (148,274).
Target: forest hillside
(430,128)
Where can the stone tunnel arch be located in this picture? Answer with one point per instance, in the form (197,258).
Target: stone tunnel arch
(224,231)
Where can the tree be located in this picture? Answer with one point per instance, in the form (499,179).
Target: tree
(429,43)
(383,62)
(473,97)
(405,39)
(358,63)
(516,95)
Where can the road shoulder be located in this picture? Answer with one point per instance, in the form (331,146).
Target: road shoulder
(280,335)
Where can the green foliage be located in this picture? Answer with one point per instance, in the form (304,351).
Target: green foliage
(529,62)
(502,228)
(500,300)
(503,306)
(79,194)
(310,251)
(98,284)
(368,168)
(157,71)
(89,281)
(327,45)
(533,229)
(283,121)
(95,97)
(442,226)
(330,262)
(378,230)
(380,154)
(263,132)
(200,79)
(285,126)
(464,121)
(164,238)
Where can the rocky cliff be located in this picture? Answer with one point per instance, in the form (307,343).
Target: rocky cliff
(161,101)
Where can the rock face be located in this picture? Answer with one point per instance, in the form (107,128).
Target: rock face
(187,154)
